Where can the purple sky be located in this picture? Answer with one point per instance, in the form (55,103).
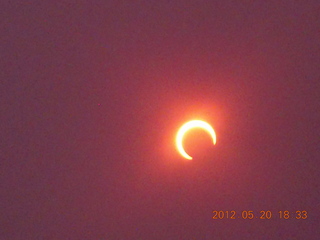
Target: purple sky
(92,94)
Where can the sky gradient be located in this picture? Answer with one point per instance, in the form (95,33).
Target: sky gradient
(93,92)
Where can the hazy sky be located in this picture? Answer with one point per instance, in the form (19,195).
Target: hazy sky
(92,94)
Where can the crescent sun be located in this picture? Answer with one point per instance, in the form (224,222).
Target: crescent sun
(188,126)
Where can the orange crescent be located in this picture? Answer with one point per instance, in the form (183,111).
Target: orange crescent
(188,126)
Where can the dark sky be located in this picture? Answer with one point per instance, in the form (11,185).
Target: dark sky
(92,94)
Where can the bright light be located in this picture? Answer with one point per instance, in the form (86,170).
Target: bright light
(188,126)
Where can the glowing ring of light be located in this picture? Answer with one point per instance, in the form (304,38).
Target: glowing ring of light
(188,126)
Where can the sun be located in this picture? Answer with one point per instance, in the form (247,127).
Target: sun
(188,126)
